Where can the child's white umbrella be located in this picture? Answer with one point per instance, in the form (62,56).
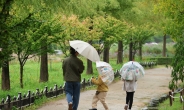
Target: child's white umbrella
(130,69)
(105,71)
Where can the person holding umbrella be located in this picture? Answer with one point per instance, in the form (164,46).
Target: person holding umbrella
(72,69)
(100,94)
(130,87)
(130,73)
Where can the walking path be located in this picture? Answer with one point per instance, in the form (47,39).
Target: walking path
(154,84)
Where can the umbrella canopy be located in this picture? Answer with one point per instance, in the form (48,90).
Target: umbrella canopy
(85,49)
(131,69)
(105,71)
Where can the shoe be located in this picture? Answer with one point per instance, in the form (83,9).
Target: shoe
(70,106)
(93,109)
(126,107)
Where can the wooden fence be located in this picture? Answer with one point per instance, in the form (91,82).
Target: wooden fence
(172,93)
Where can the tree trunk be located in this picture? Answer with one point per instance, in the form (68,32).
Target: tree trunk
(89,67)
(21,75)
(44,68)
(164,46)
(140,52)
(120,52)
(5,76)
(106,54)
(131,51)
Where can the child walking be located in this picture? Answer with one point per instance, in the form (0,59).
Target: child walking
(101,93)
(129,87)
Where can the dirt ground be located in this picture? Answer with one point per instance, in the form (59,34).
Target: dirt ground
(154,84)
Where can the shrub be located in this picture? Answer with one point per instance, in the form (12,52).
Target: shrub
(162,60)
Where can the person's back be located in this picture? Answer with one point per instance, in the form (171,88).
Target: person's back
(130,87)
(72,70)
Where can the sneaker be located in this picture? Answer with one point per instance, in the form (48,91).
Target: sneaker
(93,109)
(126,107)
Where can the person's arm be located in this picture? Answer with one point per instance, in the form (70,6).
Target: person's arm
(97,81)
(81,67)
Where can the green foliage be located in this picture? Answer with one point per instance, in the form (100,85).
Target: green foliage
(154,50)
(162,60)
(111,29)
(174,11)
(178,63)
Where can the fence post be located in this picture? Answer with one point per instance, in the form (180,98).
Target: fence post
(56,89)
(170,98)
(173,94)
(46,90)
(29,97)
(181,96)
(37,93)
(9,101)
(20,98)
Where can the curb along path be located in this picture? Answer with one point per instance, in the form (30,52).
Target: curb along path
(154,84)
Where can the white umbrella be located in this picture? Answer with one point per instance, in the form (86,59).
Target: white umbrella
(85,49)
(130,69)
(106,72)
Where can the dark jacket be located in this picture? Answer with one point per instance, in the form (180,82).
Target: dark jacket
(72,69)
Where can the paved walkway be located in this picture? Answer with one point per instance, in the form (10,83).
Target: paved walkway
(154,84)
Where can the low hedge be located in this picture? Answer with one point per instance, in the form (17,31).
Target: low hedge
(162,60)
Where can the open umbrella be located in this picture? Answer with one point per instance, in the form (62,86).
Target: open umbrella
(85,49)
(131,69)
(105,71)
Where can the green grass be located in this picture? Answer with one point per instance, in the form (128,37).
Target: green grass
(176,105)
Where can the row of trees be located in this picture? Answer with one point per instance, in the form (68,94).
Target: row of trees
(30,28)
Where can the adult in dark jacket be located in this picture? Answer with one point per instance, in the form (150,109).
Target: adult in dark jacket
(72,69)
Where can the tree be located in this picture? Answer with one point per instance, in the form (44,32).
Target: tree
(5,43)
(139,36)
(111,29)
(11,9)
(25,43)
(119,10)
(174,12)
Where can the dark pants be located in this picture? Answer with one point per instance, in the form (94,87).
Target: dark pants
(129,99)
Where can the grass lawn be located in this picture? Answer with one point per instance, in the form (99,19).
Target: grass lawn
(176,105)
